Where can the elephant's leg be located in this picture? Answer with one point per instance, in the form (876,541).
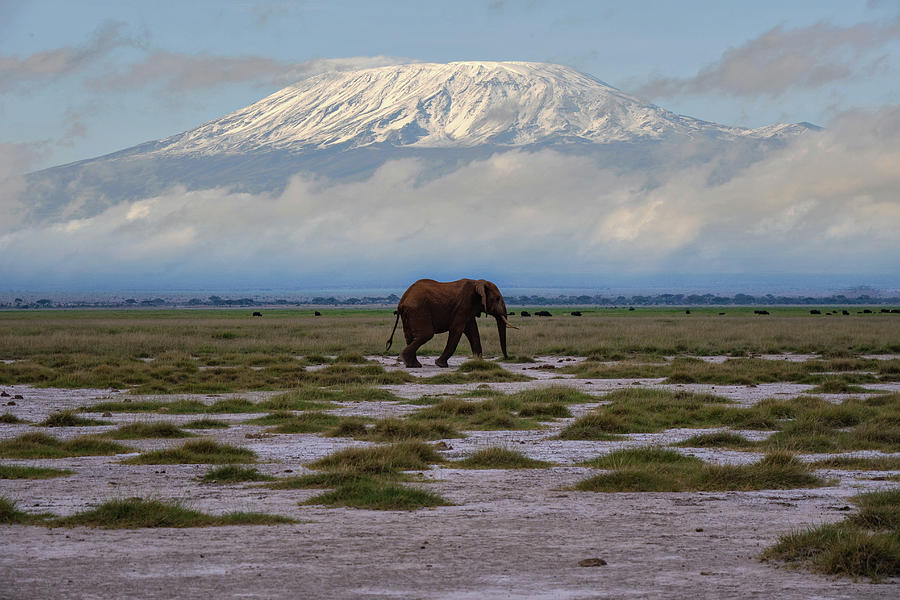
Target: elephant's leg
(452,342)
(474,338)
(408,355)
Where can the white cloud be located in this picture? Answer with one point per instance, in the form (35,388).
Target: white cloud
(782,59)
(175,72)
(830,202)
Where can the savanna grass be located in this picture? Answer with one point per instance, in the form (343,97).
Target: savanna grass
(40,445)
(11,419)
(734,371)
(138,513)
(141,430)
(23,472)
(396,430)
(644,410)
(195,452)
(206,424)
(234,474)
(865,544)
(109,348)
(308,422)
(859,463)
(69,418)
(661,470)
(381,460)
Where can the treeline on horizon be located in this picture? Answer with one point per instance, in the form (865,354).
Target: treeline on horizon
(522,300)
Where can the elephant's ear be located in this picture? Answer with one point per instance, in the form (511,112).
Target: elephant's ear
(479,287)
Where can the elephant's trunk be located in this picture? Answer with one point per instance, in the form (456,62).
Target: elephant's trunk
(501,329)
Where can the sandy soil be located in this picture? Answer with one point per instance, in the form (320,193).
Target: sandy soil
(510,534)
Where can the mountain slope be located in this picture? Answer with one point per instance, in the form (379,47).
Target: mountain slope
(461,104)
(346,125)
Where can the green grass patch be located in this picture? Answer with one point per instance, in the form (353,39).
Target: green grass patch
(644,410)
(377,494)
(69,418)
(834,385)
(138,513)
(206,424)
(328,479)
(40,445)
(10,515)
(308,422)
(234,474)
(378,460)
(865,544)
(496,413)
(23,472)
(500,458)
(662,470)
(396,430)
(860,463)
(717,439)
(195,452)
(11,419)
(139,430)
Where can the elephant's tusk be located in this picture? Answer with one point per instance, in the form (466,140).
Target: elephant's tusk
(508,324)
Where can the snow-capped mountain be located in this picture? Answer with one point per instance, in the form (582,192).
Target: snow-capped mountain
(460,104)
(347,124)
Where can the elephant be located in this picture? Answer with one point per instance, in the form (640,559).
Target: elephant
(429,307)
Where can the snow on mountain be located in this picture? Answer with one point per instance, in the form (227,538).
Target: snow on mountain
(460,104)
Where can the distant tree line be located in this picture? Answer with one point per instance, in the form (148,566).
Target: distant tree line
(524,300)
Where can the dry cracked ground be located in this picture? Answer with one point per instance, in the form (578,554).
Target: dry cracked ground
(509,533)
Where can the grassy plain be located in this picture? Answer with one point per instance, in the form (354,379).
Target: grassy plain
(211,351)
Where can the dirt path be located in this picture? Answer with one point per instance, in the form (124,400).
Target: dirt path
(510,534)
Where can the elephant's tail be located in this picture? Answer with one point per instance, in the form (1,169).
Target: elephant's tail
(391,339)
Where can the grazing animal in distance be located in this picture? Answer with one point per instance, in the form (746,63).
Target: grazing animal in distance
(525,313)
(543,313)
(317,314)
(687,312)
(429,307)
(575,313)
(815,312)
(511,314)
(257,314)
(845,312)
(760,312)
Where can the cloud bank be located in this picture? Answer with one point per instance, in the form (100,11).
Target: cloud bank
(782,60)
(827,203)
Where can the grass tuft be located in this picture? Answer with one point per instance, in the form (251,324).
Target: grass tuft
(866,544)
(376,460)
(40,445)
(11,419)
(196,452)
(138,513)
(234,474)
(21,472)
(138,430)
(206,424)
(662,470)
(69,418)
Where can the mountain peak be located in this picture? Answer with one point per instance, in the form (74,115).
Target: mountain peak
(435,105)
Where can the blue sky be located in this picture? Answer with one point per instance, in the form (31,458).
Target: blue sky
(91,77)
(80,79)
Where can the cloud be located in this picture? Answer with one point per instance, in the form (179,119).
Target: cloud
(16,71)
(827,203)
(177,73)
(781,60)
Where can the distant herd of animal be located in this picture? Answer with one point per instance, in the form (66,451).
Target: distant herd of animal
(429,307)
